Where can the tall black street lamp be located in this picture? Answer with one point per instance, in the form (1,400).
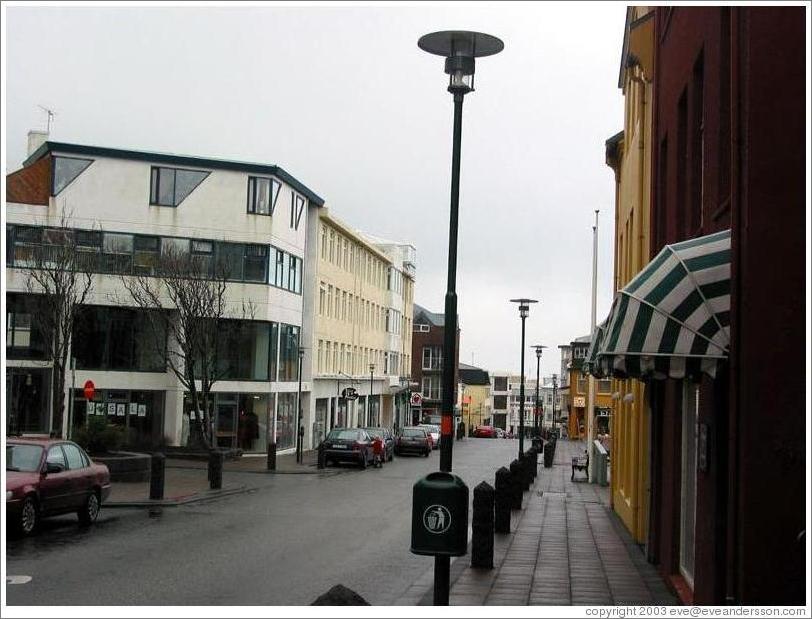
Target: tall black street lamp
(460,48)
(524,310)
(538,348)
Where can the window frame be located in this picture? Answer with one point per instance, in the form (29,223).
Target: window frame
(155,188)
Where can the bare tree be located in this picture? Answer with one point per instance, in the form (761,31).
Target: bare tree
(185,296)
(59,263)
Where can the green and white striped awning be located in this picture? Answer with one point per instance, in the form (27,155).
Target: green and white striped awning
(673,319)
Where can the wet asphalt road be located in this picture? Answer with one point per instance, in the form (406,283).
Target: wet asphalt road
(286,542)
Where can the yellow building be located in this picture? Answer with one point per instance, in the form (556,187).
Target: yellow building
(629,154)
(577,395)
(363,327)
(475,392)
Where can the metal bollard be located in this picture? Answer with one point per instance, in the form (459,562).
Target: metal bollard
(271,456)
(515,485)
(320,460)
(482,526)
(502,501)
(216,469)
(528,474)
(548,454)
(531,459)
(157,477)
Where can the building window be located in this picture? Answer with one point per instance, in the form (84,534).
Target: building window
(431,387)
(289,353)
(171,186)
(582,384)
(285,420)
(256,263)
(432,358)
(262,195)
(147,251)
(245,348)
(422,328)
(297,206)
(65,171)
(24,338)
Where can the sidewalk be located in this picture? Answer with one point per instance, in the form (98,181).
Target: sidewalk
(180,486)
(258,463)
(566,547)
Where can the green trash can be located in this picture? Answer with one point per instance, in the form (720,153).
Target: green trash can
(440,515)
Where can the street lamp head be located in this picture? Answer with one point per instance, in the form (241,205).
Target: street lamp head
(538,348)
(524,306)
(460,49)
(371,367)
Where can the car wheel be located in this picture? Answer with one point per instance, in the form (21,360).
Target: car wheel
(90,510)
(29,517)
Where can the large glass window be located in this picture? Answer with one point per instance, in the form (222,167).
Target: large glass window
(66,169)
(24,338)
(117,253)
(285,420)
(112,338)
(171,186)
(432,358)
(431,387)
(244,350)
(500,402)
(288,353)
(256,263)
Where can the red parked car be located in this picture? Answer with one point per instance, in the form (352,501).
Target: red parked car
(485,432)
(47,477)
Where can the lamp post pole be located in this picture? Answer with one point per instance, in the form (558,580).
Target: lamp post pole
(524,310)
(299,426)
(369,404)
(555,384)
(538,348)
(460,49)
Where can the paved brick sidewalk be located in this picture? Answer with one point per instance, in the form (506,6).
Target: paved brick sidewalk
(179,484)
(566,548)
(256,463)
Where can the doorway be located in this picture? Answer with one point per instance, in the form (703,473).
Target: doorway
(690,407)
(226,422)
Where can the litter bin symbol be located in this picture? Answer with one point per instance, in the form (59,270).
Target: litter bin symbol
(436,519)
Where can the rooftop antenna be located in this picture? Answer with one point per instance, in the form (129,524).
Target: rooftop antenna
(50,113)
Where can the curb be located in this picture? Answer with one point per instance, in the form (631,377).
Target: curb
(315,471)
(184,500)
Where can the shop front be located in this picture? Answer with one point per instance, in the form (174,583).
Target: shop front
(27,402)
(141,413)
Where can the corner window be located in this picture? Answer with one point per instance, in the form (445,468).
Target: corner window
(171,186)
(297,205)
(65,171)
(262,195)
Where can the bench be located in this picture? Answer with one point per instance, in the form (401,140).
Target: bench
(580,463)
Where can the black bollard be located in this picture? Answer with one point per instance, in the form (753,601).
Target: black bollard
(502,501)
(320,460)
(535,461)
(482,526)
(515,485)
(271,456)
(215,469)
(526,470)
(531,458)
(548,454)
(157,475)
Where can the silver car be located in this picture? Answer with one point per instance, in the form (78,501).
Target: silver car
(434,431)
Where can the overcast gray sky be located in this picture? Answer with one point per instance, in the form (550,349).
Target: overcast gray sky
(343,99)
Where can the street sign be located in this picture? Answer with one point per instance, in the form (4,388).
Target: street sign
(90,390)
(349,393)
(416,399)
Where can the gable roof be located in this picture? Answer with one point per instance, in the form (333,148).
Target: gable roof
(421,314)
(471,375)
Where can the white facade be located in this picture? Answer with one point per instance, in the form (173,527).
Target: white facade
(113,194)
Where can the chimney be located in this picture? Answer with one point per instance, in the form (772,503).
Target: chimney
(36,138)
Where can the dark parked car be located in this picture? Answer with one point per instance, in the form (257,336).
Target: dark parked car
(414,440)
(388,441)
(348,445)
(47,477)
(485,432)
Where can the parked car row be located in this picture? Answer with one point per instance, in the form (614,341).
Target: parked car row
(491,432)
(48,477)
(358,445)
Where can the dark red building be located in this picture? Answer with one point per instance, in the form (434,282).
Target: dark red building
(729,152)
(428,333)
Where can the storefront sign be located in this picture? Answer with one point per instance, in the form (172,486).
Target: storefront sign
(133,409)
(142,410)
(416,399)
(111,409)
(579,401)
(121,410)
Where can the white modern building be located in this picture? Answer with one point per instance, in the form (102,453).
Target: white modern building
(126,208)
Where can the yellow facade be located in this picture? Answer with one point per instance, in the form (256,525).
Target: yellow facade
(476,405)
(357,324)
(629,155)
(578,400)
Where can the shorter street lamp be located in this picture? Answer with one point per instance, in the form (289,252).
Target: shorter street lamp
(299,426)
(524,310)
(555,385)
(369,407)
(538,348)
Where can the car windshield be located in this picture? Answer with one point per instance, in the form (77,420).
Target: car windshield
(347,435)
(413,432)
(374,432)
(23,457)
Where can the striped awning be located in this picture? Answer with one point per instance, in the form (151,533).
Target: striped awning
(673,319)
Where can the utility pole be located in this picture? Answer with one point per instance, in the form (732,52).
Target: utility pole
(590,410)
